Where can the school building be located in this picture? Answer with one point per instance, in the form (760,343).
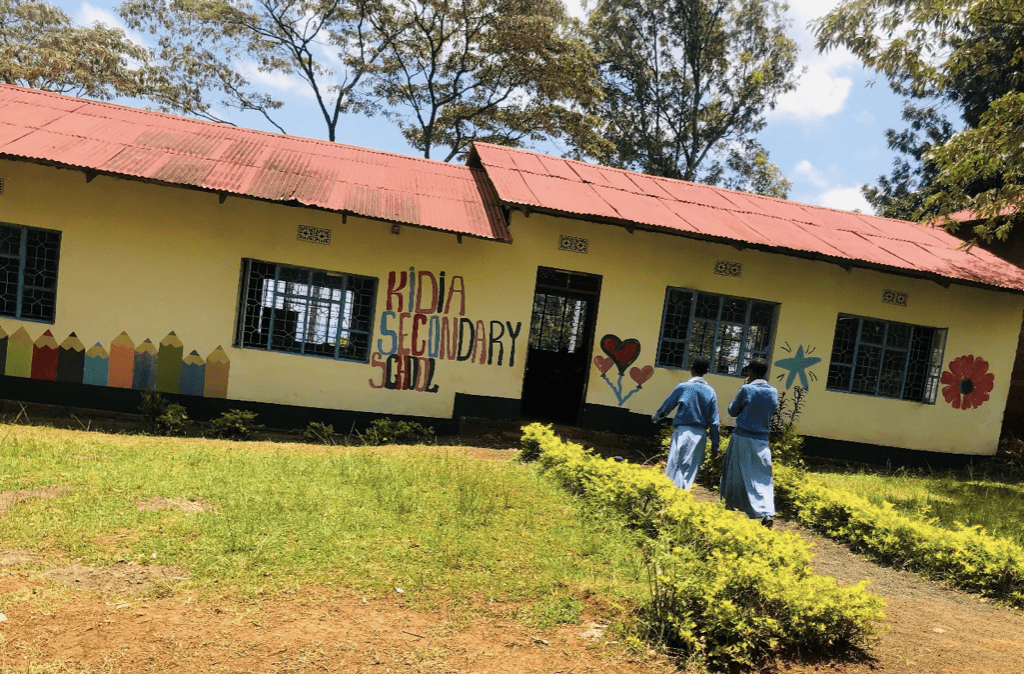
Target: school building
(313,281)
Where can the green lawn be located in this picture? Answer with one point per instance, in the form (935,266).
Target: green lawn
(949,500)
(441,526)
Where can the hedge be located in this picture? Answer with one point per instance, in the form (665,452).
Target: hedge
(969,559)
(724,588)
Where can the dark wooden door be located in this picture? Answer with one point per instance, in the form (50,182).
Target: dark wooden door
(560,345)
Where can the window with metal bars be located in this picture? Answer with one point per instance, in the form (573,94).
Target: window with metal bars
(729,331)
(306,311)
(886,359)
(29,259)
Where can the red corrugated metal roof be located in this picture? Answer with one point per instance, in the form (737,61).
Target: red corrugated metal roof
(107,138)
(584,190)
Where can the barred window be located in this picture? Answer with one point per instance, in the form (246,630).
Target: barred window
(28,272)
(886,359)
(729,331)
(307,311)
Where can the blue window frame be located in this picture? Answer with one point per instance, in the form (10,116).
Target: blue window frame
(875,357)
(305,311)
(29,258)
(729,331)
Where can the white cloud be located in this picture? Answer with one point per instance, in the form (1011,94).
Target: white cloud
(824,189)
(805,171)
(88,14)
(845,198)
(282,84)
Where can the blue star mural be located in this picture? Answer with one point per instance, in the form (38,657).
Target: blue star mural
(797,366)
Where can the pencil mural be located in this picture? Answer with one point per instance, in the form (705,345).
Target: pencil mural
(144,375)
(3,351)
(44,357)
(97,366)
(71,360)
(168,364)
(19,354)
(120,364)
(122,361)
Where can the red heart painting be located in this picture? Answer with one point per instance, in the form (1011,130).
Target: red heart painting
(623,352)
(603,364)
(641,374)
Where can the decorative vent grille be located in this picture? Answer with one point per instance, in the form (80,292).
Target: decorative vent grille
(314,234)
(894,297)
(1,187)
(573,244)
(724,268)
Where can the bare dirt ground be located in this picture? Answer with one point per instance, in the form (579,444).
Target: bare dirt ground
(130,618)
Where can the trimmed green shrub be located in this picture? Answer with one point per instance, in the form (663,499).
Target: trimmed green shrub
(968,558)
(317,433)
(723,588)
(162,418)
(389,432)
(235,425)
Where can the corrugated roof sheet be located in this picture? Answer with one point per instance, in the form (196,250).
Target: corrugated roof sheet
(584,190)
(106,138)
(114,139)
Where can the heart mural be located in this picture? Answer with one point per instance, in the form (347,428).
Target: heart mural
(641,374)
(603,364)
(623,352)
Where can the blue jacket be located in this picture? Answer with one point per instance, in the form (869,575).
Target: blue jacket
(753,407)
(698,406)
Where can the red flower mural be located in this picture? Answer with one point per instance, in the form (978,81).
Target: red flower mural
(967,382)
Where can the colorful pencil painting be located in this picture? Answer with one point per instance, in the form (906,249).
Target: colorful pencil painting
(143,366)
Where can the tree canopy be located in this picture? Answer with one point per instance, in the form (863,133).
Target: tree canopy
(224,51)
(687,84)
(41,48)
(501,71)
(947,57)
(446,71)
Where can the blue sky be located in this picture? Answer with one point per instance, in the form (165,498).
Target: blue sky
(827,136)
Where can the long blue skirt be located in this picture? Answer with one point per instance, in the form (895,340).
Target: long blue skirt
(685,455)
(747,477)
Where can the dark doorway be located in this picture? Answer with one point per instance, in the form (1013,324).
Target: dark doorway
(561,338)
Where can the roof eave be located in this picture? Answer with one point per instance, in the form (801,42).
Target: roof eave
(845,263)
(295,203)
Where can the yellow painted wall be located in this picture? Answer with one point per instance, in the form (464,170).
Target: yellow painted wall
(150,259)
(636,269)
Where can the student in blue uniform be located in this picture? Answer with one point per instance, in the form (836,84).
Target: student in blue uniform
(696,418)
(747,474)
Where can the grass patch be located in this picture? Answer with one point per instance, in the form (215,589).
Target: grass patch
(951,500)
(440,526)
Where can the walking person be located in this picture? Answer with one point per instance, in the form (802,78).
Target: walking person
(695,420)
(747,474)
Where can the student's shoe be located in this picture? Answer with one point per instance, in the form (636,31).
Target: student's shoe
(767,521)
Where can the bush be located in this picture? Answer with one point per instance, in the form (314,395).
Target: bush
(162,418)
(389,432)
(317,433)
(724,588)
(235,425)
(968,559)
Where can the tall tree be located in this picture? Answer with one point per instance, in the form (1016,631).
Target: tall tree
(219,47)
(501,71)
(41,48)
(687,84)
(949,59)
(446,71)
